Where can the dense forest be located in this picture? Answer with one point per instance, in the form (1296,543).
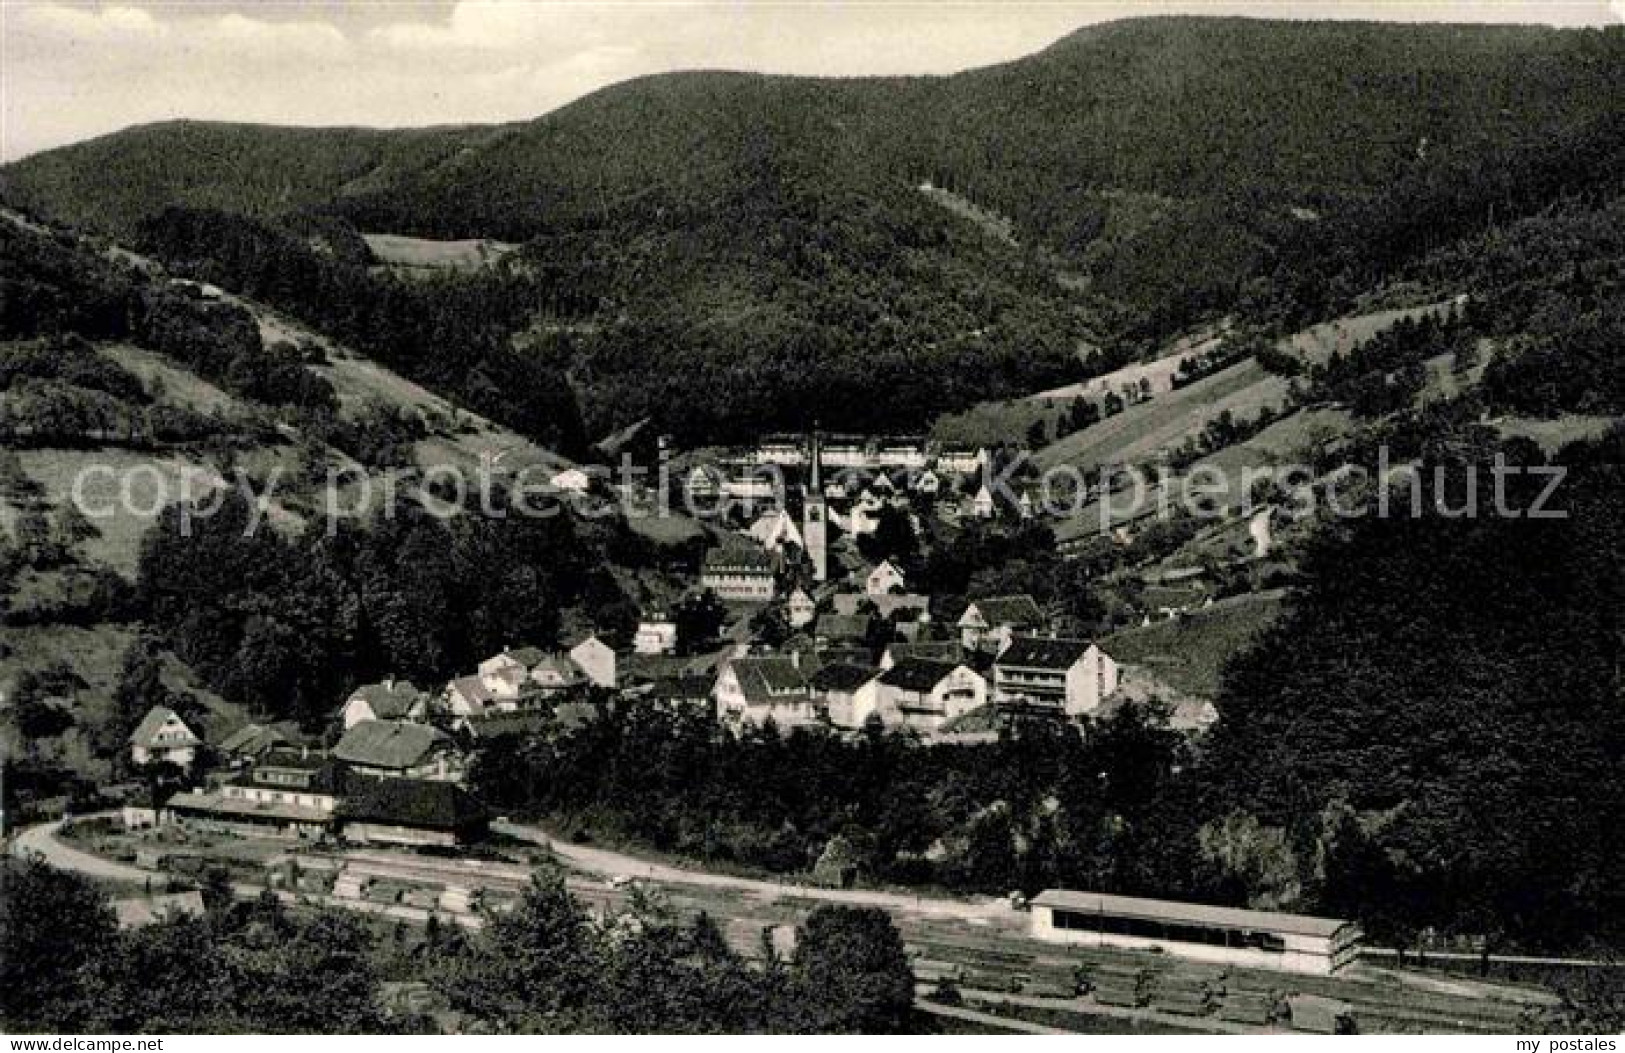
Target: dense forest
(763,237)
(547,967)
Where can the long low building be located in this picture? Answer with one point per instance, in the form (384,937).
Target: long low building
(1294,943)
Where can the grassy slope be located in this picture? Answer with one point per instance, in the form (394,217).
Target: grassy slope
(1189,654)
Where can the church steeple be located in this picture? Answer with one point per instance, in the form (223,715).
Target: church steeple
(813,513)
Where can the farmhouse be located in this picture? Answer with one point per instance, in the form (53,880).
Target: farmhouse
(1074,676)
(991,623)
(1256,939)
(388,700)
(163,737)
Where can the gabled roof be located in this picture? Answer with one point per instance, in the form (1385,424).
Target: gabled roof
(764,679)
(738,559)
(843,676)
(472,688)
(528,657)
(251,739)
(917,674)
(682,687)
(155,720)
(933,650)
(842,626)
(1042,652)
(1008,610)
(389,699)
(560,666)
(506,722)
(389,744)
(420,803)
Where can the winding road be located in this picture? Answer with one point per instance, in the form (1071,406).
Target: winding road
(42,840)
(610,864)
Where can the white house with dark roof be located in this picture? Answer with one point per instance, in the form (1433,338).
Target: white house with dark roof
(992,622)
(163,737)
(752,691)
(1074,676)
(386,700)
(884,580)
(848,691)
(924,695)
(803,609)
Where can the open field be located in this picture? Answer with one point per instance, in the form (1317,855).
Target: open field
(1553,435)
(399,251)
(178,387)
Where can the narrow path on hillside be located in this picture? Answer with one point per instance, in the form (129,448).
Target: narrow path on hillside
(611,863)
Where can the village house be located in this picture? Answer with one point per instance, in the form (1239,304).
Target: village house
(752,691)
(982,506)
(885,580)
(1074,676)
(847,691)
(923,695)
(925,482)
(657,634)
(396,749)
(801,609)
(163,737)
(775,531)
(703,486)
(387,700)
(596,660)
(990,623)
(410,812)
(251,742)
(739,576)
(467,696)
(962,460)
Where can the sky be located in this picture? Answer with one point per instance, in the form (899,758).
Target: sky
(73,70)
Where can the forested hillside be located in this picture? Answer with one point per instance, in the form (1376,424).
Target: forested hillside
(740,232)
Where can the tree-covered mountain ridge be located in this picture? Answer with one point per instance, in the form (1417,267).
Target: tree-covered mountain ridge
(1171,159)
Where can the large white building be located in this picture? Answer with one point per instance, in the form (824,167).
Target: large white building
(1074,676)
(1294,943)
